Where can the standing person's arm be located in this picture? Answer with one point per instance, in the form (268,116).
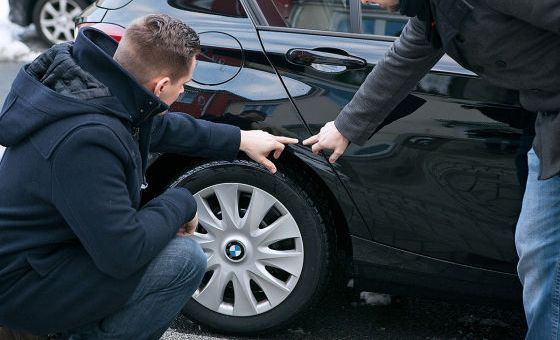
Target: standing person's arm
(544,14)
(410,57)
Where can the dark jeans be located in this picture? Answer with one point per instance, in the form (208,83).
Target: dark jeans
(170,280)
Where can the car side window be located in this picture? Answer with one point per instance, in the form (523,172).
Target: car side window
(323,15)
(220,7)
(378,21)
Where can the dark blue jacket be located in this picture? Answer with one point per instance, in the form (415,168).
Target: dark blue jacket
(74,240)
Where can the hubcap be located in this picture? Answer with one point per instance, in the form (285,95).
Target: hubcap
(57,19)
(235,251)
(254,250)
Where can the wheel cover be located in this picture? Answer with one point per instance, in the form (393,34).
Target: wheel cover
(57,19)
(254,250)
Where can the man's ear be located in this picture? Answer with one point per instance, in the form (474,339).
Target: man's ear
(160,85)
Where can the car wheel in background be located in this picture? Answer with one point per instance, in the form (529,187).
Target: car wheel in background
(54,19)
(268,248)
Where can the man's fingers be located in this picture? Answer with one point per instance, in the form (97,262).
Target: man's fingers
(311,140)
(286,140)
(278,150)
(334,157)
(183,232)
(338,151)
(268,164)
(317,147)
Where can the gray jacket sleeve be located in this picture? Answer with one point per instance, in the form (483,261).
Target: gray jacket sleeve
(410,57)
(544,14)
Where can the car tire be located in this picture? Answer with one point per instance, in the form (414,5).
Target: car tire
(53,19)
(290,199)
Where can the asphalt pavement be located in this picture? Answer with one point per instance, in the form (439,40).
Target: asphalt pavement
(342,315)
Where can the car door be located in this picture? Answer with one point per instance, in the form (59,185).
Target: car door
(446,180)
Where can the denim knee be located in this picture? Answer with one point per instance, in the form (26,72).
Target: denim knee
(186,260)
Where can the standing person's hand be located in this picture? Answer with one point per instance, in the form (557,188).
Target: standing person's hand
(189,228)
(328,138)
(258,145)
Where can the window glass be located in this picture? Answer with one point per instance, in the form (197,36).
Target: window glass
(220,7)
(323,15)
(112,4)
(378,21)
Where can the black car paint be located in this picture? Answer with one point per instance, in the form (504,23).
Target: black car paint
(430,202)
(403,176)
(21,11)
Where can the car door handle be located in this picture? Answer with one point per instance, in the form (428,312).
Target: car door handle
(307,57)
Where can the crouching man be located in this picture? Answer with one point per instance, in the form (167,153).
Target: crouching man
(78,254)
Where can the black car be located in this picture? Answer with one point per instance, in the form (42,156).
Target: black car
(427,207)
(53,19)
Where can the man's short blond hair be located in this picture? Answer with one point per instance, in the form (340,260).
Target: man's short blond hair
(157,45)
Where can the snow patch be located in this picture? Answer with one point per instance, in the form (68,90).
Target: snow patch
(11,48)
(2,151)
(299,331)
(494,323)
(375,299)
(471,320)
(4,9)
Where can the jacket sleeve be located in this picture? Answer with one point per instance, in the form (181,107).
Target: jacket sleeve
(90,190)
(180,133)
(544,14)
(410,57)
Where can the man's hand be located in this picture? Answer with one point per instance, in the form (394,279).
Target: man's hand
(328,138)
(189,228)
(258,145)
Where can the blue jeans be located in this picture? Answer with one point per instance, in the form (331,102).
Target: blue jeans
(170,280)
(537,239)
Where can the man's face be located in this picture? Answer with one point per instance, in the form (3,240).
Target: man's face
(390,5)
(168,91)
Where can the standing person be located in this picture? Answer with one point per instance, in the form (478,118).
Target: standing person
(78,254)
(514,44)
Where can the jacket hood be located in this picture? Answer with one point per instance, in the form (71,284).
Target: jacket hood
(72,79)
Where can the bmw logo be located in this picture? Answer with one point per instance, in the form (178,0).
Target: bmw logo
(235,251)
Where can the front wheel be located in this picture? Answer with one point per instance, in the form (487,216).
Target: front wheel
(267,246)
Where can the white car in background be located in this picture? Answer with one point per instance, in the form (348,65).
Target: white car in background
(53,19)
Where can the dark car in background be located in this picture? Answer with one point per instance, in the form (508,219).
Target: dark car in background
(428,206)
(53,19)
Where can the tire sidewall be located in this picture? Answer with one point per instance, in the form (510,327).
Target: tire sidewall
(313,237)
